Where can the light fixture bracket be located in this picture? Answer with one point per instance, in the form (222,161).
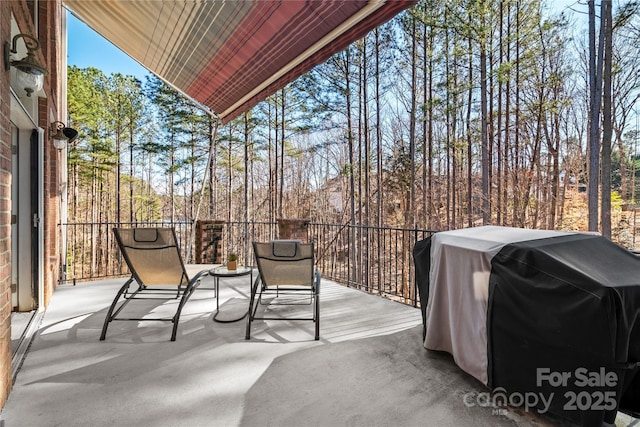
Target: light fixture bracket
(29,73)
(29,64)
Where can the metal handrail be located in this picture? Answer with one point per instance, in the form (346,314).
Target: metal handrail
(374,259)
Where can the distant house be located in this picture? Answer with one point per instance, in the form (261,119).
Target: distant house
(330,198)
(335,190)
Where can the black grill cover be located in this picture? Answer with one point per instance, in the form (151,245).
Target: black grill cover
(566,305)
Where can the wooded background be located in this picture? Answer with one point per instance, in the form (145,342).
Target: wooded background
(455,114)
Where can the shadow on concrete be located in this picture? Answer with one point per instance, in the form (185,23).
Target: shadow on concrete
(381,381)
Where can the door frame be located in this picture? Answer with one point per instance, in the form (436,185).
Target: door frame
(27,251)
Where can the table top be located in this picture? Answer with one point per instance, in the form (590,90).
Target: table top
(222,271)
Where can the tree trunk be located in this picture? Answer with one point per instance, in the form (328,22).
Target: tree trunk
(132,216)
(230,177)
(486,214)
(517,196)
(410,214)
(380,218)
(282,139)
(499,207)
(172,163)
(507,121)
(469,136)
(448,130)
(212,199)
(595,86)
(351,169)
(379,200)
(606,26)
(118,173)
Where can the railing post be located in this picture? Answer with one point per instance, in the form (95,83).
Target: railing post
(208,241)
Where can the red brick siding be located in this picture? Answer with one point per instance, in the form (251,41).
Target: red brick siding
(294,229)
(49,13)
(5,233)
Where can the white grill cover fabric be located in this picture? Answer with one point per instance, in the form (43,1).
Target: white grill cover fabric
(459,289)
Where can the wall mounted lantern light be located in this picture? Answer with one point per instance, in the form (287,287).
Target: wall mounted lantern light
(61,135)
(29,72)
(59,138)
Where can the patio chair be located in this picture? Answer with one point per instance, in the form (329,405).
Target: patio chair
(153,257)
(286,268)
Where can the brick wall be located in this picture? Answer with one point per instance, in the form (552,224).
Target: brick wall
(5,227)
(293,229)
(49,13)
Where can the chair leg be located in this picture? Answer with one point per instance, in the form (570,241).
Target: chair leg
(317,301)
(110,314)
(317,316)
(251,313)
(185,297)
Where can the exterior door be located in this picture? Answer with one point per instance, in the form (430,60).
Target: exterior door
(26,212)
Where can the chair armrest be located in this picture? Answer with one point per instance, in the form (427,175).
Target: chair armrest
(196,271)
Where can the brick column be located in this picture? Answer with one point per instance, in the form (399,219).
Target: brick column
(208,241)
(293,229)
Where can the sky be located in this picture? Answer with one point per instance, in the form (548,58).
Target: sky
(86,48)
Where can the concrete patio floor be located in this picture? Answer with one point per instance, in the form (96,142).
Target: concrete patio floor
(368,369)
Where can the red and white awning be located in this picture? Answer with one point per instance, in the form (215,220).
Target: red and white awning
(230,54)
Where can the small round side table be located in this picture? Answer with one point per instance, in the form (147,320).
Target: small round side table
(221,272)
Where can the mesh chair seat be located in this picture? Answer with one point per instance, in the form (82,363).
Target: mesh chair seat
(156,266)
(285,267)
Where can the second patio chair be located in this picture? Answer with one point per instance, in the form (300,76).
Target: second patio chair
(153,257)
(286,268)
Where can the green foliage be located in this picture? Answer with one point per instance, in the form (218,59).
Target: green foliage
(616,200)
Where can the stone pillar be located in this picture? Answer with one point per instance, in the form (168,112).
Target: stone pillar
(293,229)
(208,242)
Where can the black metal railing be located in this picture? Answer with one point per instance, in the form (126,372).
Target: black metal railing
(92,251)
(374,259)
(377,260)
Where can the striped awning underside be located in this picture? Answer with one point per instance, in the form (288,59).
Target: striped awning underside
(230,54)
